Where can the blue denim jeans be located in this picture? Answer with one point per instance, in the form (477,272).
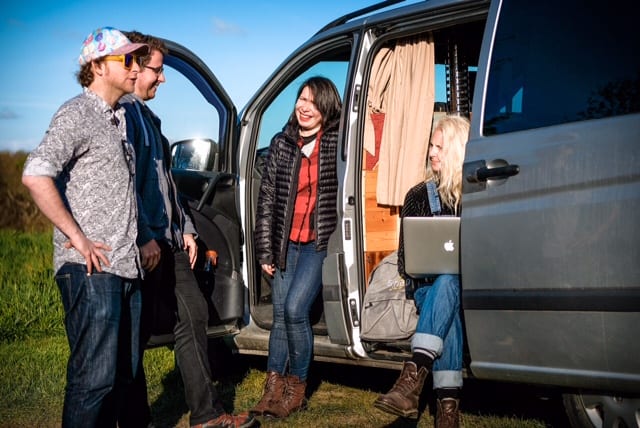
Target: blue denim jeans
(439,329)
(293,292)
(102,318)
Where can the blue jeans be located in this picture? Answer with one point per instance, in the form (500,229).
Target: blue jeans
(439,329)
(102,318)
(293,292)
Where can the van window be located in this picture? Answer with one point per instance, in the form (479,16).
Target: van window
(277,114)
(558,62)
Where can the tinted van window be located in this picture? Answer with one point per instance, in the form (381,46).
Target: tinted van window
(540,77)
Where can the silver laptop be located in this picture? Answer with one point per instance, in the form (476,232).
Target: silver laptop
(431,245)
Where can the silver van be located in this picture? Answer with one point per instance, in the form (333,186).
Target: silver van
(550,241)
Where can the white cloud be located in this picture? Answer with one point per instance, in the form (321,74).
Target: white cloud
(7,114)
(222,27)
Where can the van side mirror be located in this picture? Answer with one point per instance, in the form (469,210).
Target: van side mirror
(198,154)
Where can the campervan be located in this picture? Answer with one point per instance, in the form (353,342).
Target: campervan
(549,238)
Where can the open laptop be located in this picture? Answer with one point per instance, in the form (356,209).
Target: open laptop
(431,245)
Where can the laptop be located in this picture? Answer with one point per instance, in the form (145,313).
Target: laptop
(431,245)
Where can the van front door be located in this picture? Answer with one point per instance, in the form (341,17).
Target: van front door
(204,168)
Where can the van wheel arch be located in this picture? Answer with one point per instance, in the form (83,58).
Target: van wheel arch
(587,410)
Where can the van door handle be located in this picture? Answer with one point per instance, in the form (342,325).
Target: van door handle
(484,173)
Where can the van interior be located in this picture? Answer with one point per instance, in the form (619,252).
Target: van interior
(413,79)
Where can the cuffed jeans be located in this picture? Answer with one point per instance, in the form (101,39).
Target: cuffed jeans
(102,318)
(293,292)
(439,329)
(172,286)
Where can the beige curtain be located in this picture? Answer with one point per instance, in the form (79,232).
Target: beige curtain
(376,101)
(402,87)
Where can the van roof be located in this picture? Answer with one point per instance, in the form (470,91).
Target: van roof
(388,6)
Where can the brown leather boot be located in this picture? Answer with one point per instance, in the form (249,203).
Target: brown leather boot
(448,415)
(402,399)
(274,386)
(293,400)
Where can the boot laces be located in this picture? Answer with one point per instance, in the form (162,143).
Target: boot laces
(406,382)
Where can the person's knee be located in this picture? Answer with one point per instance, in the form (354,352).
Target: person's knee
(295,314)
(449,284)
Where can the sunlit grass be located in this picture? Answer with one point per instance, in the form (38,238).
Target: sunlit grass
(29,298)
(34,352)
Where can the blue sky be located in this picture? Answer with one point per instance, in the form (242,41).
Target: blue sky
(242,42)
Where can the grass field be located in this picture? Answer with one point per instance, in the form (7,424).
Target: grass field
(33,354)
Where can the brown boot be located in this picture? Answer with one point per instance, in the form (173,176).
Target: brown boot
(274,386)
(293,400)
(402,399)
(448,415)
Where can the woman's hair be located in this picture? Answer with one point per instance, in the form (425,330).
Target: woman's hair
(325,97)
(455,133)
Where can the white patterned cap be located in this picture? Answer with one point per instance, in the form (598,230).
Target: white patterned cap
(108,41)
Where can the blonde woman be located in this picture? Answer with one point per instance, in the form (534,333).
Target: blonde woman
(437,344)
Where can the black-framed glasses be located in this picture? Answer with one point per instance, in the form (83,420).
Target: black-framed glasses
(127,60)
(157,70)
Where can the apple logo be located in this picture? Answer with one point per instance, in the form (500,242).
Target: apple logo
(448,246)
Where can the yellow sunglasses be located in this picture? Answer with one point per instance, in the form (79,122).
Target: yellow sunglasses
(127,60)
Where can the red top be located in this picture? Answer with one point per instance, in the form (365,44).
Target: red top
(301,226)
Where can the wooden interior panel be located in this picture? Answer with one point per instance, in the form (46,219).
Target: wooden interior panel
(382,226)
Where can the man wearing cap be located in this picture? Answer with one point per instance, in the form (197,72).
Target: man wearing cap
(81,176)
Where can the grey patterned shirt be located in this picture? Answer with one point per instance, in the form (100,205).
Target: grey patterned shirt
(85,151)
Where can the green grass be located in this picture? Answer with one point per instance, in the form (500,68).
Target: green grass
(29,298)
(34,352)
(32,386)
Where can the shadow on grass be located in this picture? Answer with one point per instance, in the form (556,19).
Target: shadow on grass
(479,397)
(170,408)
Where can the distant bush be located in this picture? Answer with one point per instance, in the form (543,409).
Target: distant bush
(29,298)
(17,209)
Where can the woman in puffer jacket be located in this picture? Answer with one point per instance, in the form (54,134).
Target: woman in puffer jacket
(296,215)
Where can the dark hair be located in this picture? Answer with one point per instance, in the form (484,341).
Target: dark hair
(85,75)
(325,97)
(153,42)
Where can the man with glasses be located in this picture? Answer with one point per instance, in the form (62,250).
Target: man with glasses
(81,176)
(168,249)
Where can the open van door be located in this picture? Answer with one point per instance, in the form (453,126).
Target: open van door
(204,168)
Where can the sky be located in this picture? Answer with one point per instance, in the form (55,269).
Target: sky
(241,41)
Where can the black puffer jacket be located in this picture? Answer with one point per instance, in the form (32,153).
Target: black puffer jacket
(278,191)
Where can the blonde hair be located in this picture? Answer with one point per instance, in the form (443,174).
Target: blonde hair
(455,133)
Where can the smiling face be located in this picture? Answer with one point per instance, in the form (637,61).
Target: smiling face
(111,79)
(308,115)
(150,76)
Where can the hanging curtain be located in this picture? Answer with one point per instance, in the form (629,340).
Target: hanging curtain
(402,87)
(376,105)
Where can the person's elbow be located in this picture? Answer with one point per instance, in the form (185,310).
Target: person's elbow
(34,182)
(29,181)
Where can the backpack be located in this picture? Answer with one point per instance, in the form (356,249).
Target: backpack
(387,315)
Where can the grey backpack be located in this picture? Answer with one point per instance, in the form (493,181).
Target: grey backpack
(387,315)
